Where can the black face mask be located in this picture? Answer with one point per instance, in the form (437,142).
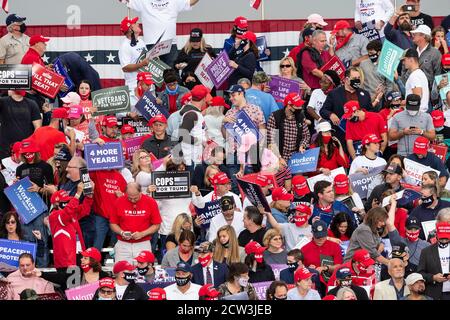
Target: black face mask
(292,266)
(190,85)
(426,201)
(23,28)
(380,231)
(354,119)
(373,58)
(181,282)
(355,83)
(133,39)
(442,245)
(226,244)
(130,276)
(143,271)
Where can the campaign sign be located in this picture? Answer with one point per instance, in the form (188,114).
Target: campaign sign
(439,151)
(10,250)
(276,268)
(261,289)
(106,157)
(62,71)
(445,89)
(281,87)
(333,173)
(389,60)
(344,247)
(29,205)
(201,73)
(447,37)
(160,49)
(416,170)
(131,145)
(335,64)
(111,100)
(156,68)
(46,81)
(304,162)
(139,125)
(369,31)
(148,107)
(360,182)
(15,77)
(85,292)
(211,209)
(243,125)
(254,194)
(261,44)
(171,184)
(404,197)
(219,70)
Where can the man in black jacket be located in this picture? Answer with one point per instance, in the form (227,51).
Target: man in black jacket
(208,271)
(160,143)
(126,289)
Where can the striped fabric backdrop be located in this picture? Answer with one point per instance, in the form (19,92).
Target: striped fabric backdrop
(99,44)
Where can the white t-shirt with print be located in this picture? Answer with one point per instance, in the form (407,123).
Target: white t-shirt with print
(129,55)
(364,162)
(120,290)
(418,79)
(316,102)
(158,17)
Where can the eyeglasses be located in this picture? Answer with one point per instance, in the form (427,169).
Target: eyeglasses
(277,238)
(72,167)
(144,157)
(107,292)
(285,66)
(11,222)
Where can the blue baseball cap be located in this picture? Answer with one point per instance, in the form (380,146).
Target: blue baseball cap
(14,18)
(236,88)
(182,266)
(393,95)
(343,273)
(319,229)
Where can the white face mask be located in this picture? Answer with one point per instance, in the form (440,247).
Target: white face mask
(243,282)
(412,113)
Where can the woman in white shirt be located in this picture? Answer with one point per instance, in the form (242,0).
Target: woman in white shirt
(369,159)
(213,116)
(142,169)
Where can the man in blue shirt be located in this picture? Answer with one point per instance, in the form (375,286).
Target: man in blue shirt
(256,95)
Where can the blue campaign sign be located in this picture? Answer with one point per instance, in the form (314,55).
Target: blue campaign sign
(210,210)
(59,68)
(148,107)
(106,157)
(304,162)
(10,250)
(408,196)
(447,36)
(242,126)
(261,44)
(29,205)
(163,278)
(254,194)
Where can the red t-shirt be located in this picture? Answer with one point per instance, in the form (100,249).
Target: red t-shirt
(106,183)
(312,252)
(294,52)
(135,217)
(32,56)
(373,123)
(309,65)
(46,138)
(334,162)
(173,103)
(342,237)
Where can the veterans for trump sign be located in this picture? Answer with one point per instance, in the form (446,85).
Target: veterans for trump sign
(10,250)
(106,157)
(111,100)
(171,184)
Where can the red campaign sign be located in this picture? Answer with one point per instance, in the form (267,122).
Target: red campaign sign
(335,64)
(46,81)
(439,151)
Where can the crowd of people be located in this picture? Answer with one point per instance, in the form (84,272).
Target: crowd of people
(332,242)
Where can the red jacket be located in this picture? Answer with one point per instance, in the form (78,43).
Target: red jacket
(64,228)
(357,279)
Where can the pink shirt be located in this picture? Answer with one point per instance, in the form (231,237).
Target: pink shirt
(18,283)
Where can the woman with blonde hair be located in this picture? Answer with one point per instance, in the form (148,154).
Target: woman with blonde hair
(288,70)
(275,252)
(226,249)
(182,222)
(141,168)
(345,293)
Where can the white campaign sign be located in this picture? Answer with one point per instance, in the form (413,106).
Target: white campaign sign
(416,170)
(161,48)
(428,227)
(312,181)
(201,73)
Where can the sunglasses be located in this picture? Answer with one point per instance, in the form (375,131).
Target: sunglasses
(11,222)
(285,66)
(108,292)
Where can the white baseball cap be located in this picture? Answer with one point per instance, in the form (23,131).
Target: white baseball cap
(324,126)
(317,18)
(72,98)
(422,29)
(413,278)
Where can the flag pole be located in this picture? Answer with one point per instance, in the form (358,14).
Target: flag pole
(262,10)
(128,12)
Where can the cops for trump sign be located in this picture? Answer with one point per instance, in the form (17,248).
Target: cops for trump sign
(171,184)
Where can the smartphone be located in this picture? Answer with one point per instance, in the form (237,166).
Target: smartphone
(408,8)
(84,175)
(412,128)
(127,234)
(446,275)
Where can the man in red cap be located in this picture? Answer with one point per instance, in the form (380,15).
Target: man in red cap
(129,53)
(64,226)
(303,284)
(239,28)
(127,132)
(126,288)
(160,143)
(301,189)
(361,123)
(351,48)
(106,290)
(38,46)
(423,156)
(281,202)
(287,130)
(11,163)
(442,131)
(145,261)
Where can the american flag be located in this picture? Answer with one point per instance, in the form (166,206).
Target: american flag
(5,6)
(255,4)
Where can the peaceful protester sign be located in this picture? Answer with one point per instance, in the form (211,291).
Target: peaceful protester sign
(219,70)
(148,107)
(281,87)
(15,77)
(10,250)
(389,60)
(209,211)
(111,100)
(29,205)
(171,184)
(415,170)
(304,162)
(106,157)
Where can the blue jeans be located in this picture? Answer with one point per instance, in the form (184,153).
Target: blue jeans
(101,231)
(43,251)
(87,226)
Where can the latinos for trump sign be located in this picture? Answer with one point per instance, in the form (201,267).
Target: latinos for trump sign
(335,64)
(10,250)
(46,81)
(254,194)
(209,211)
(201,72)
(106,157)
(369,31)
(281,87)
(148,107)
(15,76)
(111,100)
(219,70)
(171,184)
(360,182)
(61,70)
(389,60)
(139,125)
(29,205)
(304,162)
